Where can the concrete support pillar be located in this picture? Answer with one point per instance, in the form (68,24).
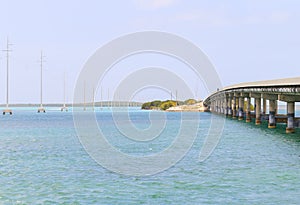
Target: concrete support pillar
(264,106)
(237,108)
(276,107)
(221,106)
(257,111)
(229,106)
(216,106)
(241,108)
(224,106)
(234,108)
(291,115)
(272,119)
(248,110)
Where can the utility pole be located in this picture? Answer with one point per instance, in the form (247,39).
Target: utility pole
(84,106)
(7,50)
(41,108)
(108,104)
(101,103)
(176,98)
(64,106)
(93,98)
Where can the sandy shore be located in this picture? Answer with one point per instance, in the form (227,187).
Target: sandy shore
(198,107)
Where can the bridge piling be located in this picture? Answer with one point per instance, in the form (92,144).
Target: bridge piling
(272,120)
(291,115)
(257,111)
(229,106)
(264,110)
(248,110)
(241,108)
(234,108)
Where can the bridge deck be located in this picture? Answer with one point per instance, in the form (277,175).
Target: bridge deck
(267,83)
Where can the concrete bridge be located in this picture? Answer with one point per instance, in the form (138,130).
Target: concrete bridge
(235,101)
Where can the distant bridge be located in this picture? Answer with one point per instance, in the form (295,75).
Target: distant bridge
(230,101)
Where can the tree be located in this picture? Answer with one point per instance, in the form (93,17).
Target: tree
(167,104)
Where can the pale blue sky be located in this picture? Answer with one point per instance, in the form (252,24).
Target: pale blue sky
(246,40)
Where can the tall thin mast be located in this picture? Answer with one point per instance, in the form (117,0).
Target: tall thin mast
(64,107)
(7,50)
(64,89)
(176,99)
(108,98)
(84,108)
(41,109)
(101,104)
(93,97)
(41,94)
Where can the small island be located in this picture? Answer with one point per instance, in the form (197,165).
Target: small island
(190,105)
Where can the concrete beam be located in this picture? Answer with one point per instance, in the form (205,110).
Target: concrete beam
(236,94)
(245,95)
(255,95)
(289,98)
(230,94)
(269,96)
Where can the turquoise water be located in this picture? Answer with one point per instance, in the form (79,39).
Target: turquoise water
(43,162)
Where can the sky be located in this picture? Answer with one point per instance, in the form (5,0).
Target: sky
(246,41)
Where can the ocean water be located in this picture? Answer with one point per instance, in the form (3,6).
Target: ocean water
(43,162)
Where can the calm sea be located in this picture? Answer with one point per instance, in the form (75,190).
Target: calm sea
(43,162)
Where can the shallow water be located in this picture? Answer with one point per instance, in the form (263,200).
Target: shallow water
(43,162)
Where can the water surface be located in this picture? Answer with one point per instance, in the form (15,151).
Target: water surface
(43,162)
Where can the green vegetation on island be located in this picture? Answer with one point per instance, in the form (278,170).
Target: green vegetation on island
(159,105)
(187,105)
(164,105)
(190,102)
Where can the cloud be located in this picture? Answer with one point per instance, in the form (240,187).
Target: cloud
(205,17)
(154,4)
(222,18)
(219,16)
(275,17)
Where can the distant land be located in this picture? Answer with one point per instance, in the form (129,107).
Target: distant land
(97,104)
